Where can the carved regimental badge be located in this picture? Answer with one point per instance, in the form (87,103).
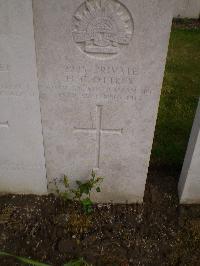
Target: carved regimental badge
(102,27)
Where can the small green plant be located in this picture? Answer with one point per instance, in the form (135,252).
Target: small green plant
(66,194)
(78,262)
(82,193)
(23,260)
(84,189)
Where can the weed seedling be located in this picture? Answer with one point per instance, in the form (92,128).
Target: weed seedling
(84,189)
(82,192)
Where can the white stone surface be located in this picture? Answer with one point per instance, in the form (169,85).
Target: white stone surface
(187,9)
(100,75)
(22,165)
(189,184)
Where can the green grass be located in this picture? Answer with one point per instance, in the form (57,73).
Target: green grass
(179,99)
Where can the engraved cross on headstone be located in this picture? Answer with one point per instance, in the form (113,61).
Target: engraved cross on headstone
(99,131)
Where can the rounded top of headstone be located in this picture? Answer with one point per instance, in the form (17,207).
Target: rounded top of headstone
(101,28)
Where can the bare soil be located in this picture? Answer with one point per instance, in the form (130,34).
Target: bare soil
(157,232)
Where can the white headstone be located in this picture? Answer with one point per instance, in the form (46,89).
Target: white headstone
(100,68)
(187,9)
(22,165)
(189,184)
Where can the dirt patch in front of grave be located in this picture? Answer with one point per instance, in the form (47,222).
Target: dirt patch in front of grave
(158,232)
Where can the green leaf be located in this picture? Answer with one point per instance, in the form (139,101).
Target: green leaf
(87,202)
(24,260)
(66,181)
(32,262)
(4,254)
(93,174)
(78,182)
(98,189)
(85,188)
(87,205)
(79,262)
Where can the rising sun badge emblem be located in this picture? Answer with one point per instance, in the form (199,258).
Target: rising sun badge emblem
(102,27)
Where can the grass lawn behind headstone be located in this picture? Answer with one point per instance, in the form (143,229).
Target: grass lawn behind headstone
(180,93)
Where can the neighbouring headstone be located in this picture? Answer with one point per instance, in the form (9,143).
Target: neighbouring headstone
(187,9)
(189,184)
(22,164)
(100,68)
